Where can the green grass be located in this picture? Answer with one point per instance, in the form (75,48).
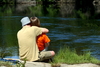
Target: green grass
(65,55)
(10,64)
(7,64)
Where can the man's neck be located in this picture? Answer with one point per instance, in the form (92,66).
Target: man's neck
(28,25)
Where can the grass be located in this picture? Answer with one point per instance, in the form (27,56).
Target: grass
(7,64)
(10,64)
(65,55)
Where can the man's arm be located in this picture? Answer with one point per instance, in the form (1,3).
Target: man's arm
(45,30)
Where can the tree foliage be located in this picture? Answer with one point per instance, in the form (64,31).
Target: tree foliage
(7,1)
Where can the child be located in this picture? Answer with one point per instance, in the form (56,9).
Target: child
(43,42)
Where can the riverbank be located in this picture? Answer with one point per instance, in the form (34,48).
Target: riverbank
(43,64)
(40,64)
(68,56)
(62,59)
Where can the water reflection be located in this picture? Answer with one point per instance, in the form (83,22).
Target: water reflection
(22,7)
(68,26)
(67,9)
(8,30)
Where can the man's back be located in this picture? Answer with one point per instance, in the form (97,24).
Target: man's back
(27,43)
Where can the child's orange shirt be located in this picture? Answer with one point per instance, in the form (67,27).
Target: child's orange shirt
(41,40)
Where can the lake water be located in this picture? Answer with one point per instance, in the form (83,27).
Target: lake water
(68,26)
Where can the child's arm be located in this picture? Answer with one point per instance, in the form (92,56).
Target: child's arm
(46,46)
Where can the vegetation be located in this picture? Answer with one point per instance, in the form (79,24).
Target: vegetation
(7,64)
(21,64)
(14,1)
(65,55)
(7,1)
(10,64)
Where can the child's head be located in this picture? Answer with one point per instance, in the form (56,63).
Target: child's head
(35,21)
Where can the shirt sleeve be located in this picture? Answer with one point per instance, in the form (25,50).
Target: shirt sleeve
(37,30)
(46,39)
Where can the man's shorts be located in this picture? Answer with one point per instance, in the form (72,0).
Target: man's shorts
(43,55)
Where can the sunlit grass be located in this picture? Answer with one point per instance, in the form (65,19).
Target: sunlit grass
(6,64)
(10,64)
(65,55)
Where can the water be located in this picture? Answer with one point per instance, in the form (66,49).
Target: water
(76,32)
(71,33)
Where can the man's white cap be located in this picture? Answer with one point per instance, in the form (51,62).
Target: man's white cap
(25,20)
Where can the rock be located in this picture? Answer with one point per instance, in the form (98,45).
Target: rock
(2,66)
(80,65)
(42,64)
(37,64)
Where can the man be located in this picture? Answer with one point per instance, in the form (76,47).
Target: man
(27,41)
